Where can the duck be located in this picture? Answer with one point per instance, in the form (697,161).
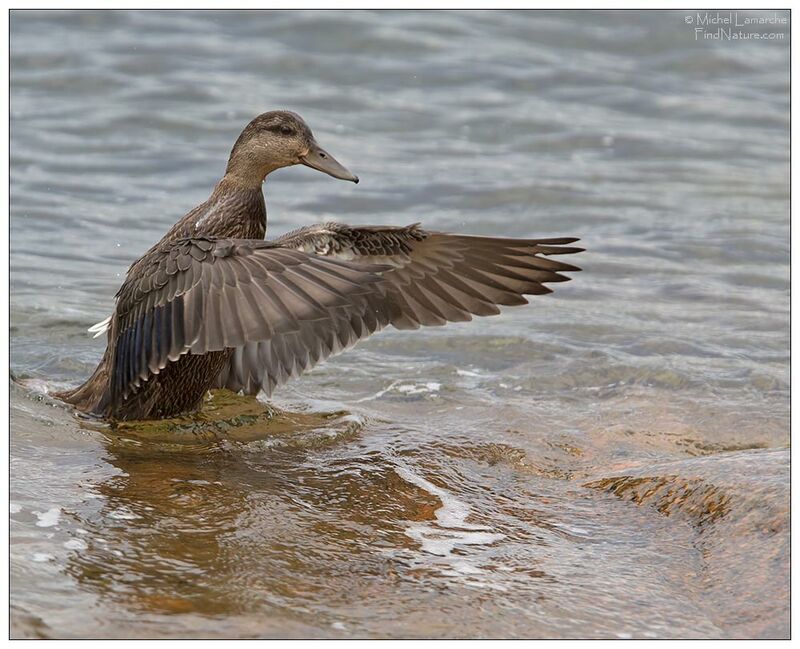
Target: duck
(214,304)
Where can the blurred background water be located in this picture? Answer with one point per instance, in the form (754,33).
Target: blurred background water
(610,461)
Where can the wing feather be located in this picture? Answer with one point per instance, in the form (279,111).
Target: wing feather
(205,295)
(432,278)
(285,306)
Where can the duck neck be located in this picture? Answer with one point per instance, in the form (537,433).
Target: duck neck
(247,171)
(235,210)
(232,211)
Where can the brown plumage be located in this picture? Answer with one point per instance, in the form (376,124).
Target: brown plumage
(214,305)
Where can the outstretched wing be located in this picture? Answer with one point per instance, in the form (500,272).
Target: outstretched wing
(203,295)
(266,364)
(432,278)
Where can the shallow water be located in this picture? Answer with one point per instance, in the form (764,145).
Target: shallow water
(611,461)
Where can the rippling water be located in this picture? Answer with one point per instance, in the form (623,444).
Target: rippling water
(611,461)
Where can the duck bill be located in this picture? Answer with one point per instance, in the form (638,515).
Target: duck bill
(319,159)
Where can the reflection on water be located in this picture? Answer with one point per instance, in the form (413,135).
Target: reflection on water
(610,461)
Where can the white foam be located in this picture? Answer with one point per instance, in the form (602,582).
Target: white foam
(410,389)
(48,518)
(14,508)
(467,373)
(76,544)
(379,393)
(577,531)
(123,514)
(451,529)
(406,389)
(41,557)
(451,532)
(419,388)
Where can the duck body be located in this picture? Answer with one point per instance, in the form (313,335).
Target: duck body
(230,212)
(214,305)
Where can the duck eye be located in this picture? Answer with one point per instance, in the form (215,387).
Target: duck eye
(287,130)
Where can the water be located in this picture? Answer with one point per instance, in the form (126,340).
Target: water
(611,461)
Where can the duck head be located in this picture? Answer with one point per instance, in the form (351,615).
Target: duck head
(278,139)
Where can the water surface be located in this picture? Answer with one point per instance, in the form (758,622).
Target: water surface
(610,461)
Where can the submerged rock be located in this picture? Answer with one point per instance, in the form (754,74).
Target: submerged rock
(738,504)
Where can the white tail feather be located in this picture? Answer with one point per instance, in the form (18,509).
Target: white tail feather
(100,328)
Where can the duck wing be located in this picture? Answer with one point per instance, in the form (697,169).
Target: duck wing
(431,278)
(202,295)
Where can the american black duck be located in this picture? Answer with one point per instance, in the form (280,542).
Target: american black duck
(214,305)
